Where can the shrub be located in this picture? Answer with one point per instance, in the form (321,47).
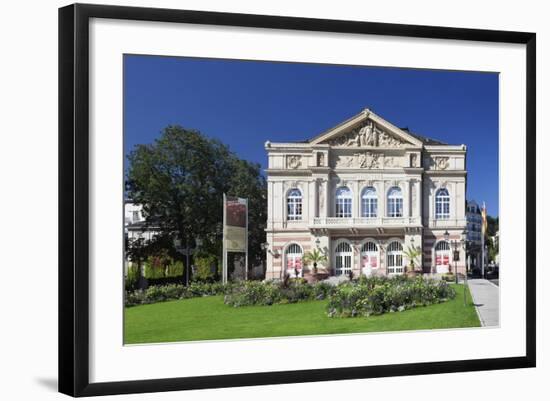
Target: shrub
(322,290)
(253,293)
(206,268)
(132,277)
(377,295)
(163,266)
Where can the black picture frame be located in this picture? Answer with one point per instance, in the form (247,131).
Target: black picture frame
(74,200)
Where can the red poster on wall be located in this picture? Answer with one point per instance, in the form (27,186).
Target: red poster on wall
(438,260)
(446,259)
(373,262)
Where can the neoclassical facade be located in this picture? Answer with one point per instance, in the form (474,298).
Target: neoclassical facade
(363,192)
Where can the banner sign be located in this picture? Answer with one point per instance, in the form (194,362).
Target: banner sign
(235,224)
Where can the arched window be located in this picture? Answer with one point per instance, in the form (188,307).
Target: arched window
(293,260)
(369,202)
(442,257)
(394,256)
(369,257)
(343,255)
(294,204)
(343,202)
(442,204)
(395,202)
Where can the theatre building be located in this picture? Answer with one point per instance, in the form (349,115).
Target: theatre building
(364,192)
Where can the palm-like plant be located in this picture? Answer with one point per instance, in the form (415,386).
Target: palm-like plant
(412,254)
(314,257)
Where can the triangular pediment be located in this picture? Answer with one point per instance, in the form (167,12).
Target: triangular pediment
(367,130)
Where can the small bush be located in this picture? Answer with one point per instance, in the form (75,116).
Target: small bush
(322,290)
(253,293)
(206,268)
(162,266)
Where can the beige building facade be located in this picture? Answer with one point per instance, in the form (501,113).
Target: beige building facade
(363,193)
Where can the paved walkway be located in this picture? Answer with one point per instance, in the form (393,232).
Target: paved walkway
(486,299)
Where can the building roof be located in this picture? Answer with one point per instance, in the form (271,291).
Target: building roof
(425,140)
(369,114)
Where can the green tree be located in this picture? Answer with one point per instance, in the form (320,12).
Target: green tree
(180,180)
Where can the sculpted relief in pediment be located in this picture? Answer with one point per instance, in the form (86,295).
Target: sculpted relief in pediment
(367,135)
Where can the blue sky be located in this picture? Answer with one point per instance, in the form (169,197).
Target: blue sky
(245,103)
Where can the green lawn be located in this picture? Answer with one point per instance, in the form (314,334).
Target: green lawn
(208,318)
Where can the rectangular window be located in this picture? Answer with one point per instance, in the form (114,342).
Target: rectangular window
(395,208)
(343,208)
(369,208)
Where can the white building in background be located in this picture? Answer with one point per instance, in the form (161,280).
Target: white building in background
(473,218)
(134,222)
(364,192)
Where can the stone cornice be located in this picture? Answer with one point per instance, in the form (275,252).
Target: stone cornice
(445,172)
(288,172)
(445,149)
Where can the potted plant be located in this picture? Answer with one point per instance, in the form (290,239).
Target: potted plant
(314,257)
(412,253)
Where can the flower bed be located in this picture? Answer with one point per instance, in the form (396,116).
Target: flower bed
(363,297)
(249,293)
(377,295)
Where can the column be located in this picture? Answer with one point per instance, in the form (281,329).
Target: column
(355,212)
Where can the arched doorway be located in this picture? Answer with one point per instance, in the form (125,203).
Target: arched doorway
(394,258)
(442,257)
(343,256)
(293,260)
(369,257)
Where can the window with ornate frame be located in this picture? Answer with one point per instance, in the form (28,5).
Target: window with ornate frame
(294,204)
(442,204)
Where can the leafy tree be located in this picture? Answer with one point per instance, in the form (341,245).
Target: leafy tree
(180,180)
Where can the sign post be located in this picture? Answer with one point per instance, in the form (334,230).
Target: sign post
(235,231)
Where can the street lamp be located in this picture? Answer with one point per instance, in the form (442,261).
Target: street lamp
(265,247)
(456,245)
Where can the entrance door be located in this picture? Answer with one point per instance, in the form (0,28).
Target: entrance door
(293,256)
(343,257)
(442,257)
(395,258)
(369,257)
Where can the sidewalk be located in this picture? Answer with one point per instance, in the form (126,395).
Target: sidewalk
(486,299)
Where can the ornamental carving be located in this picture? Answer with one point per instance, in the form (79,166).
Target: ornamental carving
(440,163)
(293,161)
(367,135)
(368,160)
(391,162)
(321,196)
